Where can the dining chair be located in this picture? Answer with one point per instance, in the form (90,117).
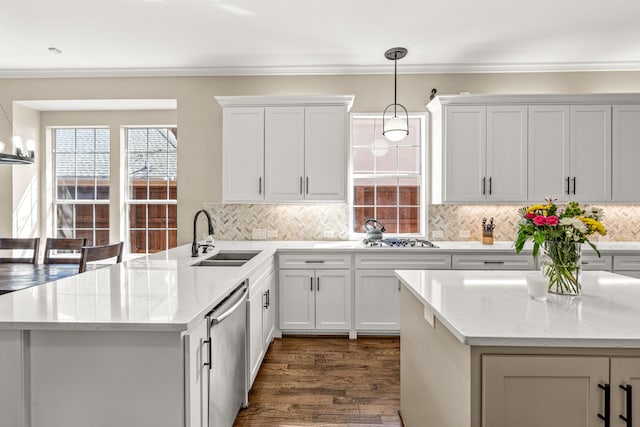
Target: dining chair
(66,246)
(99,253)
(11,243)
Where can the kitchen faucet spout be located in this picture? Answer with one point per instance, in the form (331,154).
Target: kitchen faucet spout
(195,246)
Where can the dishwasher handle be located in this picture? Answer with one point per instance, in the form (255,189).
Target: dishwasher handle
(236,299)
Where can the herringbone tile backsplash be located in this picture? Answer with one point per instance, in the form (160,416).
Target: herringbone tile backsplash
(309,222)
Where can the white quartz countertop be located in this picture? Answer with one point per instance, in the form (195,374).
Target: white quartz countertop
(492,308)
(164,292)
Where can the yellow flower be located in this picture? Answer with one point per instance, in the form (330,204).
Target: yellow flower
(594,225)
(543,208)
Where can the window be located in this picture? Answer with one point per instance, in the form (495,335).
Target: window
(387,177)
(152,188)
(81,202)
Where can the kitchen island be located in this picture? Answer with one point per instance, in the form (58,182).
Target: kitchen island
(476,351)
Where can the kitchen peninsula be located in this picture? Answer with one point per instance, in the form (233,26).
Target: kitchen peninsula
(476,351)
(132,336)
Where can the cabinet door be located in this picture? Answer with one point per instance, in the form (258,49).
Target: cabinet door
(284,153)
(377,300)
(296,299)
(548,153)
(591,153)
(243,154)
(465,154)
(325,153)
(626,152)
(506,154)
(534,391)
(257,300)
(269,313)
(197,376)
(625,371)
(333,299)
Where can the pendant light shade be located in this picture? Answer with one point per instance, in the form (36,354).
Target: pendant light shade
(395,119)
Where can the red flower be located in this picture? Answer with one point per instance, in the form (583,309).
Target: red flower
(530,215)
(551,220)
(539,220)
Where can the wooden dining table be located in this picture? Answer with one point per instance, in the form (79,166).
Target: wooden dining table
(16,276)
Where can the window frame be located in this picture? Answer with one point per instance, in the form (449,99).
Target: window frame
(128,201)
(56,201)
(424,171)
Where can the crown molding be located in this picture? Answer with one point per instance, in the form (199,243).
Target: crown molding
(322,70)
(269,101)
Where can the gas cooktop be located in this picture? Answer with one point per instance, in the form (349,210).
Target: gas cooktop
(398,242)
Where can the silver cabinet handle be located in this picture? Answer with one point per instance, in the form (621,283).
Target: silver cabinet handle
(208,343)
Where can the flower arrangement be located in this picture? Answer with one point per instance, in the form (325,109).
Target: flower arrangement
(560,233)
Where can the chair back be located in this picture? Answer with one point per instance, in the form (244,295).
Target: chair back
(10,243)
(99,253)
(65,245)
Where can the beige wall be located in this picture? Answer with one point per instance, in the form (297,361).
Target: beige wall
(199,117)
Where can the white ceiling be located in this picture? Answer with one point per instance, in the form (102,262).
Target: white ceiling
(254,37)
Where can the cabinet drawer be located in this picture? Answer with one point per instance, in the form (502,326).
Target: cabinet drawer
(315,261)
(593,262)
(493,262)
(626,262)
(405,261)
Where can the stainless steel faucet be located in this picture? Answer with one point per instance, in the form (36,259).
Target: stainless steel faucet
(195,245)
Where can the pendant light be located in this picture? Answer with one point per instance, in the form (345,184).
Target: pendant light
(395,127)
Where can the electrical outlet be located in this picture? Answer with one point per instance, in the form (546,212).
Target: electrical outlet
(464,234)
(259,233)
(272,234)
(437,234)
(328,234)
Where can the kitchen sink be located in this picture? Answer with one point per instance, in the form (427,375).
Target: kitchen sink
(227,259)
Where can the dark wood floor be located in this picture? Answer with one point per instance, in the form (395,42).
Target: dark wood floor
(314,381)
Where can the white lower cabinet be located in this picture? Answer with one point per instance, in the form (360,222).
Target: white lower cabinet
(567,391)
(377,290)
(315,299)
(261,318)
(197,376)
(377,300)
(629,265)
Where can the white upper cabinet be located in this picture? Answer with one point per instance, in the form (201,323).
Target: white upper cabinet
(243,154)
(626,152)
(506,153)
(325,146)
(570,153)
(284,153)
(526,148)
(548,152)
(485,153)
(296,150)
(590,158)
(465,150)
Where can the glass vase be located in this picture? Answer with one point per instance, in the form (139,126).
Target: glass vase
(560,264)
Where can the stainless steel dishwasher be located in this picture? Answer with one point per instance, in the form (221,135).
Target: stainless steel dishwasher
(227,358)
